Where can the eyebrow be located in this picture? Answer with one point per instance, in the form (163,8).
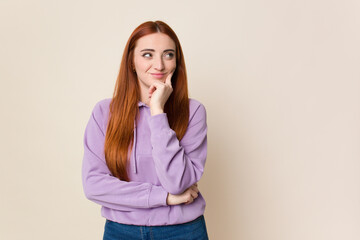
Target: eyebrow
(152,50)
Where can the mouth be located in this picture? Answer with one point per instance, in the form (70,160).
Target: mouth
(158,75)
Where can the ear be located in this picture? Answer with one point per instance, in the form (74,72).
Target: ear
(132,66)
(131,60)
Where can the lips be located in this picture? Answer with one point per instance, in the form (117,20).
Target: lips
(158,75)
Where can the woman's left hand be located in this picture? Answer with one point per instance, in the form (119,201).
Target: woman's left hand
(159,93)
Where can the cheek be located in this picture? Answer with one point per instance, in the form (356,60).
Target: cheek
(172,65)
(142,66)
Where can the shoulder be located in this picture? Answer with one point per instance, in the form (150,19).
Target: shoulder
(102,105)
(197,111)
(100,111)
(197,126)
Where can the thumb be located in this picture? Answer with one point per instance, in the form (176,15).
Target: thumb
(168,78)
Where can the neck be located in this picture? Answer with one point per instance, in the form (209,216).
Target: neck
(145,99)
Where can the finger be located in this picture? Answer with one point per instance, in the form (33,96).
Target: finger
(168,79)
(194,194)
(195,188)
(158,85)
(152,89)
(189,201)
(188,197)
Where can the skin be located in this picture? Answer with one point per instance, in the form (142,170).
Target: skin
(155,54)
(187,197)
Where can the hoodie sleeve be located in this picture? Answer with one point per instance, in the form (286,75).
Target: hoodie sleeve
(98,183)
(179,164)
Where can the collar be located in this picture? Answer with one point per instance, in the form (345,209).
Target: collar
(141,104)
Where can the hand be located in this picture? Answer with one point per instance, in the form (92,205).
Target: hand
(159,93)
(186,197)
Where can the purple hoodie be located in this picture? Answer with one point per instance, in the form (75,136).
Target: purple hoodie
(159,164)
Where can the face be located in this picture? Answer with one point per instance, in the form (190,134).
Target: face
(154,59)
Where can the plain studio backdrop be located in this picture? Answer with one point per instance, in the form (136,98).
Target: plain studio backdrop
(280,81)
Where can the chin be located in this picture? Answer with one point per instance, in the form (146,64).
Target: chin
(159,80)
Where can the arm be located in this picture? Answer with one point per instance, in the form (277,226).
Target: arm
(179,164)
(98,183)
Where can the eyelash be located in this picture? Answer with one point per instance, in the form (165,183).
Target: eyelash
(171,55)
(144,55)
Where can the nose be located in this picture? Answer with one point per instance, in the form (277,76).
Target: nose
(159,64)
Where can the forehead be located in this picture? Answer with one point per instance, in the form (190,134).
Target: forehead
(156,41)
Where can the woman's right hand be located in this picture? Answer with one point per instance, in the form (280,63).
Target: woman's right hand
(186,197)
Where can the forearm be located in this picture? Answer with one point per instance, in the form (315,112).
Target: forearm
(178,164)
(101,187)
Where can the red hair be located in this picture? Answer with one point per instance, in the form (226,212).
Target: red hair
(124,108)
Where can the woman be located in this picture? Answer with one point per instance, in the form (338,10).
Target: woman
(145,148)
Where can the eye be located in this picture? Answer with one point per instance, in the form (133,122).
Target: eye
(169,55)
(147,55)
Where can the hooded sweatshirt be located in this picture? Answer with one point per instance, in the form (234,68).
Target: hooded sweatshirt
(159,164)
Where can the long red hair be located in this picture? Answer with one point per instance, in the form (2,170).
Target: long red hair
(124,108)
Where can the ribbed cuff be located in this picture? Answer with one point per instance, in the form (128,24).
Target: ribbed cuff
(157,196)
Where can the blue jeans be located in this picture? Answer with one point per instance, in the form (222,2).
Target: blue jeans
(193,230)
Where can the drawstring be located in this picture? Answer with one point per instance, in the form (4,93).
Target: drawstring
(134,145)
(134,150)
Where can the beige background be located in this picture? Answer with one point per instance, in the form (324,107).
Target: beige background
(280,81)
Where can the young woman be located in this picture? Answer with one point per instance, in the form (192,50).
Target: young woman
(145,148)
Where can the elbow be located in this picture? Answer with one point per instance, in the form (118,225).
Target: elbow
(88,190)
(88,193)
(178,183)
(176,188)
(172,187)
